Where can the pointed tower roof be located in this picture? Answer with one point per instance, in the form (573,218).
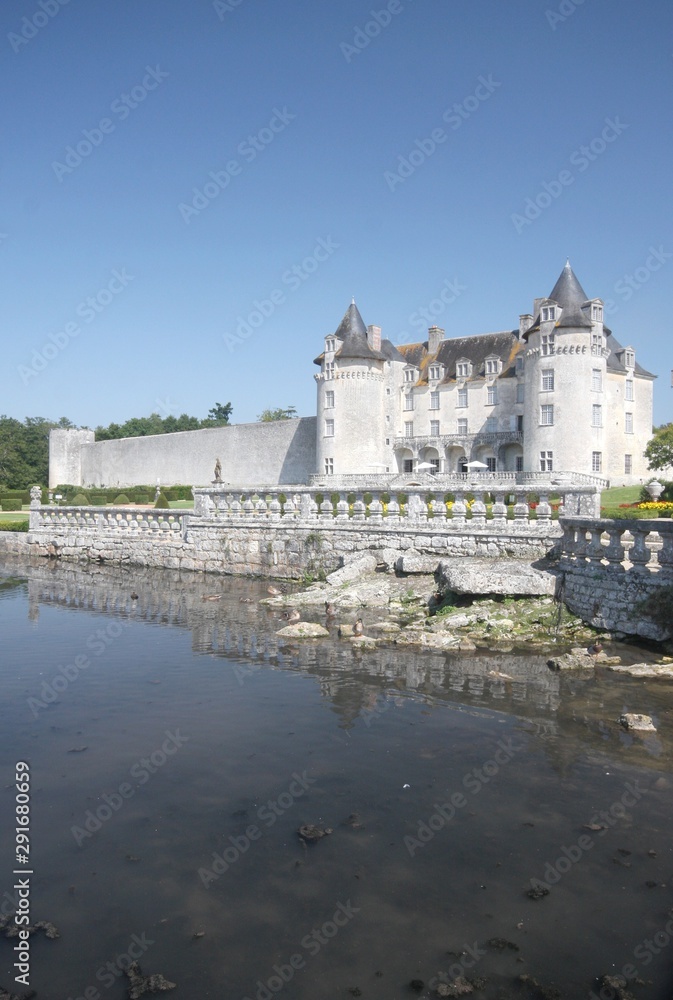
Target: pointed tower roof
(353,334)
(570,295)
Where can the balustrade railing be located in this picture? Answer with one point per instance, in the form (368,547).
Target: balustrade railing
(644,546)
(129,519)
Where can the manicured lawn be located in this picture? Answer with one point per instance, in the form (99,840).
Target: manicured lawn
(13,515)
(181,504)
(620,494)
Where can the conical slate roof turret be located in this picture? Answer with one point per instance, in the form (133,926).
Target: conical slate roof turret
(569,294)
(353,334)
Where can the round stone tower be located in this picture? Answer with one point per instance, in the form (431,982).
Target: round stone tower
(350,406)
(565,395)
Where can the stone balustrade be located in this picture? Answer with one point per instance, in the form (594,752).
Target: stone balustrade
(644,546)
(131,520)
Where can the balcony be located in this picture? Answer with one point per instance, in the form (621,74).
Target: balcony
(466,441)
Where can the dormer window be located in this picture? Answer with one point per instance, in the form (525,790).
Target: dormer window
(629,359)
(493,365)
(435,373)
(463,368)
(548,313)
(597,312)
(410,375)
(330,344)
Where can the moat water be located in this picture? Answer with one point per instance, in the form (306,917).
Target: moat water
(176,746)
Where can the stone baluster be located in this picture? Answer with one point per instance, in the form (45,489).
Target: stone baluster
(595,550)
(275,508)
(417,508)
(639,553)
(342,510)
(308,508)
(479,511)
(499,509)
(614,550)
(235,505)
(359,508)
(665,553)
(521,509)
(543,508)
(376,509)
(261,506)
(438,508)
(326,507)
(248,507)
(459,512)
(393,515)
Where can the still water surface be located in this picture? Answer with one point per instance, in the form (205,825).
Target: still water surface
(448,787)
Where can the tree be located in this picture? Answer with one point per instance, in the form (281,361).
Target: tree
(218,415)
(267,416)
(659,451)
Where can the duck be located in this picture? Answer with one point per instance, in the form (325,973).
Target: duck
(245,600)
(292,616)
(211,597)
(134,596)
(596,648)
(358,628)
(274,591)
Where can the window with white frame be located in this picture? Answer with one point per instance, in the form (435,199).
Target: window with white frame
(491,395)
(330,344)
(462,397)
(547,379)
(435,372)
(548,313)
(628,464)
(409,402)
(329,369)
(597,312)
(628,423)
(519,365)
(490,464)
(547,414)
(434,400)
(596,415)
(434,428)
(408,465)
(434,462)
(462,425)
(463,369)
(546,461)
(491,425)
(628,390)
(596,461)
(492,366)
(329,466)
(629,359)
(329,428)
(597,344)
(520,389)
(596,380)
(409,374)
(547,344)
(518,463)
(409,429)
(329,399)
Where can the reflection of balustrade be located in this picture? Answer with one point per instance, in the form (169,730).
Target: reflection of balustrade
(643,546)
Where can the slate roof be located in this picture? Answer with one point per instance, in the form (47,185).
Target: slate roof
(571,297)
(613,362)
(504,345)
(353,332)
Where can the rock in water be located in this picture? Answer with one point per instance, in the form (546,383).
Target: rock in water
(631,720)
(139,984)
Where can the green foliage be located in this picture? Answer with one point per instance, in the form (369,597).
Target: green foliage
(659,451)
(141,498)
(9,504)
(269,416)
(121,499)
(14,525)
(161,502)
(644,496)
(218,416)
(24,450)
(79,500)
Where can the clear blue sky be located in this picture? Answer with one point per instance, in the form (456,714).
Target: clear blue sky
(305,125)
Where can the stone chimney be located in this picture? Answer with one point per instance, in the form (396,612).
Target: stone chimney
(525,320)
(435,337)
(374,337)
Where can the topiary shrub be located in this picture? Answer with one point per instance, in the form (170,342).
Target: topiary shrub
(79,500)
(161,502)
(14,525)
(8,503)
(121,499)
(141,498)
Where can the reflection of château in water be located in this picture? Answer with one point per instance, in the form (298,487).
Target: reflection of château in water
(363,685)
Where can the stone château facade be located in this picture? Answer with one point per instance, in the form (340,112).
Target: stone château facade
(557,394)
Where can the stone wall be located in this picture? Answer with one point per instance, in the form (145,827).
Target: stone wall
(282,451)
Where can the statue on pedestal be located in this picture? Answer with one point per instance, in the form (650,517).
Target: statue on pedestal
(218,473)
